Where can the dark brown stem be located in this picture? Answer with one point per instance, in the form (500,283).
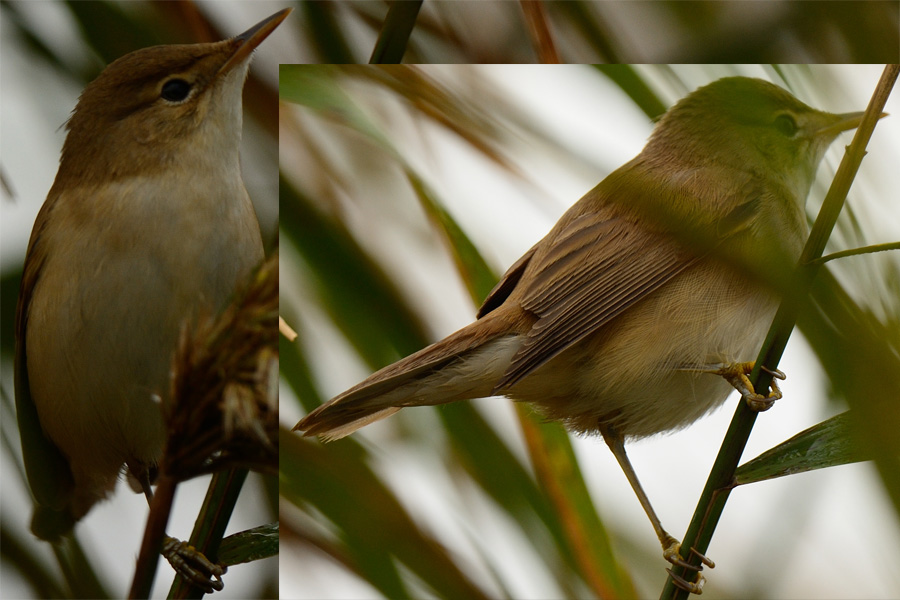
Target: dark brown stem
(160,508)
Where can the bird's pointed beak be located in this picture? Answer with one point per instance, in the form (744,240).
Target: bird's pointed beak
(247,42)
(844,122)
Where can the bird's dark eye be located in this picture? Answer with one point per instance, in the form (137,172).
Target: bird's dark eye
(175,90)
(786,125)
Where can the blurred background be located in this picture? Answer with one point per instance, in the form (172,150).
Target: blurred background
(50,51)
(401,187)
(612,31)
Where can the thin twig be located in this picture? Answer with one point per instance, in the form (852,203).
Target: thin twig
(160,508)
(857,252)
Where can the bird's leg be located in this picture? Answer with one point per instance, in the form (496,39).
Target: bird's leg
(187,561)
(736,375)
(671,546)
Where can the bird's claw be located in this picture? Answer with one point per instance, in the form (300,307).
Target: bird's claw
(193,565)
(736,375)
(695,587)
(672,554)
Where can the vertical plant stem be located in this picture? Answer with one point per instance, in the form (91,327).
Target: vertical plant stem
(209,529)
(160,508)
(394,35)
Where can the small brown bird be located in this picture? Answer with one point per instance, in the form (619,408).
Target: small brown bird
(147,225)
(613,322)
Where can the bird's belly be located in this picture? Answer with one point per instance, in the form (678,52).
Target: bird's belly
(634,373)
(100,342)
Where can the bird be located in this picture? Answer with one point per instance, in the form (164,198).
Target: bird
(641,308)
(147,227)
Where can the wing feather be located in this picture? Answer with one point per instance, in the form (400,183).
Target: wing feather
(597,267)
(46,468)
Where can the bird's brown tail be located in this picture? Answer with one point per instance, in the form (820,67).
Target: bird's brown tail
(464,365)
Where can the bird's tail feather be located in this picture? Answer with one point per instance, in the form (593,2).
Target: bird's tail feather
(463,365)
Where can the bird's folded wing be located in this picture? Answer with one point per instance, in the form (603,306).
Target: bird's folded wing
(596,267)
(48,472)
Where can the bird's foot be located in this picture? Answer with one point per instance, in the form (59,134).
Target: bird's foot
(672,553)
(736,375)
(191,564)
